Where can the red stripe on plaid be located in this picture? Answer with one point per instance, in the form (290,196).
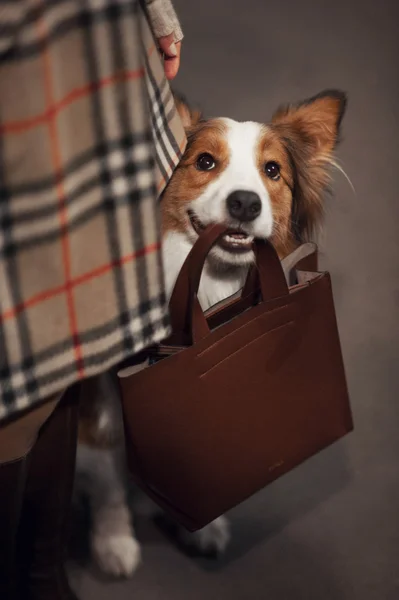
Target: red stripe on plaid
(81,279)
(52,110)
(62,212)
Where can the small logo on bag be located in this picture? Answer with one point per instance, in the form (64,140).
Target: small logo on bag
(276,466)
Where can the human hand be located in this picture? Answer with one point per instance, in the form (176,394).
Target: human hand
(171,55)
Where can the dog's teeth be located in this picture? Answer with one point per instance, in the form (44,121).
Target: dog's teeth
(238,241)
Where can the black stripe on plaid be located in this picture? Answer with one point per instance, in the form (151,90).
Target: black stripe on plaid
(162,97)
(10,247)
(13,277)
(29,16)
(158,110)
(114,246)
(96,333)
(166,90)
(159,138)
(116,352)
(125,119)
(38,214)
(38,186)
(86,17)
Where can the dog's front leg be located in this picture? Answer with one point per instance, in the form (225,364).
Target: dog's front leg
(112,539)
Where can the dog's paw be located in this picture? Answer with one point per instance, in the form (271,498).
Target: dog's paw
(116,555)
(212,540)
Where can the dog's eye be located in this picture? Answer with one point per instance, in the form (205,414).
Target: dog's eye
(205,162)
(272,170)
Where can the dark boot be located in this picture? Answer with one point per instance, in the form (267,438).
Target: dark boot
(44,527)
(12,485)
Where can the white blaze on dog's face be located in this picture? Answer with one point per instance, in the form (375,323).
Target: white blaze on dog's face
(236,194)
(263,181)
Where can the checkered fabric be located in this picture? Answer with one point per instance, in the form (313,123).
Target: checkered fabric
(83,98)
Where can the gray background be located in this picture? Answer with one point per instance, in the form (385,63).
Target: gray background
(330,530)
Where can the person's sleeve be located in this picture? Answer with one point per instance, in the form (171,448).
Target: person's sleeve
(164,20)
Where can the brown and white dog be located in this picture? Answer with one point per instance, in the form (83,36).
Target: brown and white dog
(264,181)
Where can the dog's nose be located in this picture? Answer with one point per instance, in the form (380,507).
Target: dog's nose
(243,205)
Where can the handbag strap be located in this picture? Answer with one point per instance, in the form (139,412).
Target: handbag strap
(303,258)
(188,320)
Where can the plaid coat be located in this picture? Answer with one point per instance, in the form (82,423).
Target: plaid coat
(89,136)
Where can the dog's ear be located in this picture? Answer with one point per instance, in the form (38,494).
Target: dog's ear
(310,132)
(189,116)
(316,121)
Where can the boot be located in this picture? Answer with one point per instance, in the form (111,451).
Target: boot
(12,485)
(43,532)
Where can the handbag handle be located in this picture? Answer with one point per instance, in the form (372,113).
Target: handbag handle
(188,321)
(303,258)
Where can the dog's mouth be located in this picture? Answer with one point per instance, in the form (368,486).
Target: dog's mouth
(235,240)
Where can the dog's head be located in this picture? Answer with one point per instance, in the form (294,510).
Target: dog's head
(263,181)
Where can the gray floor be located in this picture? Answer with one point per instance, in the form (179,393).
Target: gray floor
(330,530)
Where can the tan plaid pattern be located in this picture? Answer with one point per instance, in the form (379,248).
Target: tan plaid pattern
(82,99)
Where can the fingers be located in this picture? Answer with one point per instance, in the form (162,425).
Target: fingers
(171,55)
(171,67)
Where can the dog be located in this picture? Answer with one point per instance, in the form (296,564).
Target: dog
(261,181)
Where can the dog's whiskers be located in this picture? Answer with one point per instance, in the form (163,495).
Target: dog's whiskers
(337,166)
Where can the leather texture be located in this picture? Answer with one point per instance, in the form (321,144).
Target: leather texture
(12,485)
(44,523)
(35,497)
(259,387)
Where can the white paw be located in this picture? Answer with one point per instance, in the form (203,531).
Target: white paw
(116,555)
(213,539)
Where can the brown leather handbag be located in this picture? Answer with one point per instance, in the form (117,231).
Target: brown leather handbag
(238,397)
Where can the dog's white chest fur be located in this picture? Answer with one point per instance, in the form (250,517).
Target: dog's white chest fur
(214,287)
